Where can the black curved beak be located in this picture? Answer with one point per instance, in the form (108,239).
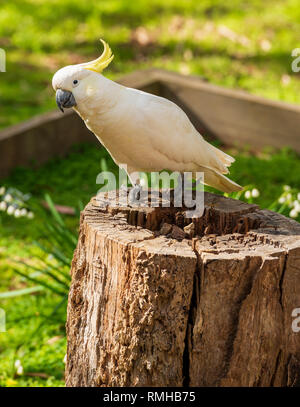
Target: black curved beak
(64,99)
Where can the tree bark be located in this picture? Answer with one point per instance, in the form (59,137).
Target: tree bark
(158,299)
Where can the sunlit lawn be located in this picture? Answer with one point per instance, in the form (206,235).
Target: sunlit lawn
(38,351)
(241,44)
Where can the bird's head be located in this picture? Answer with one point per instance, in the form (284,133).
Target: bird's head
(75,83)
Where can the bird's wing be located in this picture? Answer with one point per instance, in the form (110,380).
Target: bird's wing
(172,135)
(170,141)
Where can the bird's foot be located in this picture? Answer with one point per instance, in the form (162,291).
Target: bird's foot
(134,195)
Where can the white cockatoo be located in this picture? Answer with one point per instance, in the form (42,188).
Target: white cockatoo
(146,132)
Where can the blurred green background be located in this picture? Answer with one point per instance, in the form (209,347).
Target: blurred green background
(237,44)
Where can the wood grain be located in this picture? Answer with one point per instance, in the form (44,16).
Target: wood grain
(149,306)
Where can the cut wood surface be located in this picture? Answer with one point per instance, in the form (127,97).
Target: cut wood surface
(158,299)
(233,116)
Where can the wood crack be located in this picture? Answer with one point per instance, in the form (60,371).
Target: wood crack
(148,308)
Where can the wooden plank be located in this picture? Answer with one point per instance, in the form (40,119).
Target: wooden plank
(145,80)
(195,118)
(234,117)
(39,139)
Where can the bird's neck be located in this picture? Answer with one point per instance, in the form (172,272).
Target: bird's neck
(101,96)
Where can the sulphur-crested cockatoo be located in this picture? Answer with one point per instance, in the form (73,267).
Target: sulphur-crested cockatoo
(145,132)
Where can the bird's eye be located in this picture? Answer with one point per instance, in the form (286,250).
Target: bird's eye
(75,82)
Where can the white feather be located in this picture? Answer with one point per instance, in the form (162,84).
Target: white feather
(147,132)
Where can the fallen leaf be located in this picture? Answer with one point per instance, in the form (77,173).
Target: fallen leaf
(285,79)
(141,36)
(65,210)
(265,45)
(54,339)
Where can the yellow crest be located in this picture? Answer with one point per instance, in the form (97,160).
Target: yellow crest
(99,64)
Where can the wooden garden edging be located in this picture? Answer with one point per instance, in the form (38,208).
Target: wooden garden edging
(161,300)
(234,117)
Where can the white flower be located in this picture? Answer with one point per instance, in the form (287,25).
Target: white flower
(285,79)
(2,190)
(265,45)
(8,198)
(286,187)
(297,205)
(30,215)
(19,367)
(255,193)
(18,363)
(23,212)
(17,213)
(3,206)
(65,359)
(289,197)
(294,213)
(282,199)
(184,69)
(248,194)
(10,210)
(20,371)
(298,196)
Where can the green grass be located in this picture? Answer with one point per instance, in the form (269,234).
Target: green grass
(22,341)
(41,36)
(68,181)
(26,342)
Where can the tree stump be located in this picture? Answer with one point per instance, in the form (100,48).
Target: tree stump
(158,299)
